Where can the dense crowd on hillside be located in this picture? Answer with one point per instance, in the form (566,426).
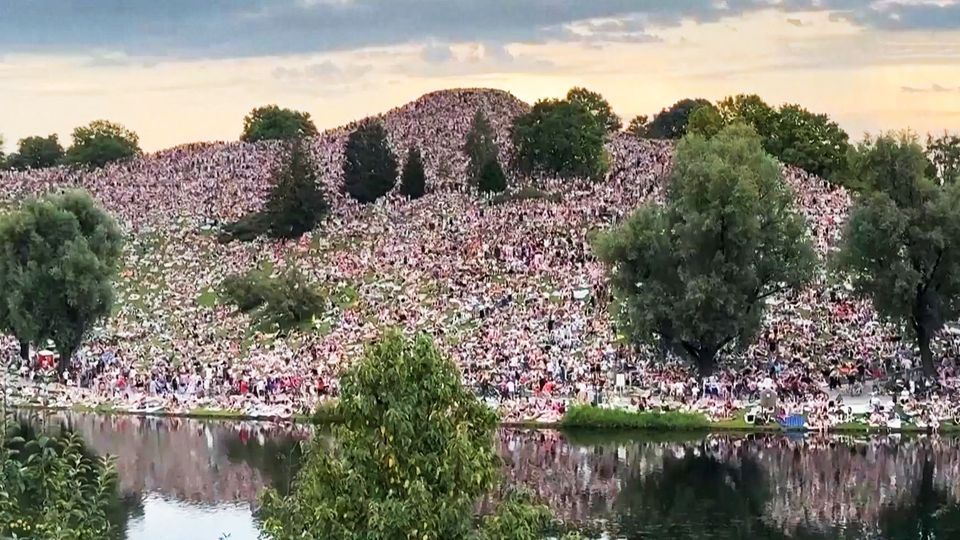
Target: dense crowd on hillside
(511,290)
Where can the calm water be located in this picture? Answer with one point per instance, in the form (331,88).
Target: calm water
(190,479)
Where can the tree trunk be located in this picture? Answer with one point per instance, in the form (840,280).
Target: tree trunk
(24,350)
(926,355)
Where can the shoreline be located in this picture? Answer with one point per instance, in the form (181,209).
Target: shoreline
(727,426)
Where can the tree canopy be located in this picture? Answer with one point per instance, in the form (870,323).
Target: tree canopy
(705,121)
(492,177)
(901,244)
(695,274)
(58,258)
(101,142)
(560,137)
(751,110)
(944,154)
(671,123)
(296,204)
(36,153)
(810,141)
(480,147)
(413,180)
(274,123)
(369,167)
(598,106)
(411,459)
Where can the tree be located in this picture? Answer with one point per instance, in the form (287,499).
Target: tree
(598,107)
(273,123)
(52,488)
(671,123)
(411,459)
(638,126)
(944,155)
(480,146)
(369,167)
(560,137)
(750,110)
(810,141)
(296,204)
(492,178)
(101,142)
(413,181)
(58,258)
(695,274)
(901,244)
(705,121)
(277,304)
(37,153)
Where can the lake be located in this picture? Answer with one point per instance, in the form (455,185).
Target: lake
(185,479)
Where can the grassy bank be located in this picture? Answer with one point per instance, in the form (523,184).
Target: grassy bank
(595,418)
(586,416)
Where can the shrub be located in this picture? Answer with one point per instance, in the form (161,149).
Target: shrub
(282,303)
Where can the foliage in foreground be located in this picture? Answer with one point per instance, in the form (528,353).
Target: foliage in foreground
(59,256)
(101,142)
(274,123)
(296,204)
(277,304)
(901,244)
(694,274)
(588,416)
(560,137)
(51,489)
(414,454)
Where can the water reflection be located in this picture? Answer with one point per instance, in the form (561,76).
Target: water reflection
(205,476)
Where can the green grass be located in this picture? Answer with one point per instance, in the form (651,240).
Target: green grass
(207,299)
(586,416)
(203,412)
(526,194)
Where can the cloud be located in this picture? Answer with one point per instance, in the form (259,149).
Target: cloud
(191,29)
(436,54)
(795,22)
(325,71)
(934,88)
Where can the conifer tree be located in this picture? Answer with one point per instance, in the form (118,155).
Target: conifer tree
(413,181)
(369,167)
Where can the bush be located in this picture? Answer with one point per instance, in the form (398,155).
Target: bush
(588,416)
(281,304)
(560,137)
(369,167)
(246,229)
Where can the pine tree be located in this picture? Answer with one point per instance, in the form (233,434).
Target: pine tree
(296,204)
(492,178)
(413,182)
(480,147)
(369,167)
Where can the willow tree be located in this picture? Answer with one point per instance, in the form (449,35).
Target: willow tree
(901,245)
(695,274)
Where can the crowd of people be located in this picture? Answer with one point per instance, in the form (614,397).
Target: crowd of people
(510,289)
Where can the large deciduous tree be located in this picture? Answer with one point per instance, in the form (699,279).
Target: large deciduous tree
(560,137)
(598,106)
(274,123)
(944,154)
(671,123)
(101,142)
(369,167)
(36,153)
(411,459)
(901,245)
(695,274)
(810,141)
(58,258)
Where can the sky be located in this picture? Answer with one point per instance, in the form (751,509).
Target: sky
(180,71)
